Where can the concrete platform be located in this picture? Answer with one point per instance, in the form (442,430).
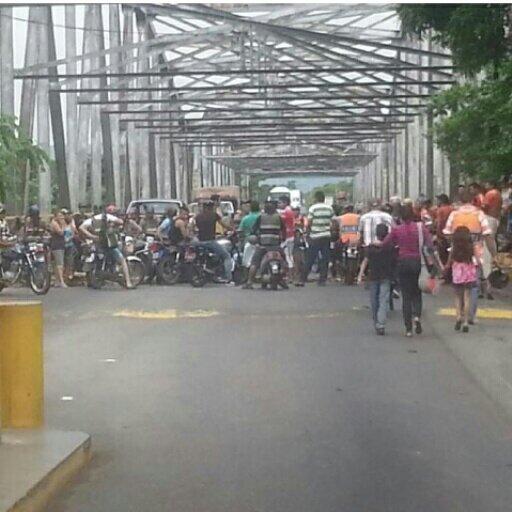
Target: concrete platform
(35,465)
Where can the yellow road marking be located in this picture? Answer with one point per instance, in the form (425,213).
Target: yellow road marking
(169,314)
(500,314)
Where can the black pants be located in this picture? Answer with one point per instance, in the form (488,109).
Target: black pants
(408,274)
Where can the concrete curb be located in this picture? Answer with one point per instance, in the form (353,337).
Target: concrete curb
(36,465)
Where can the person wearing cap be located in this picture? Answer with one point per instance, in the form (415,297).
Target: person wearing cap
(444,209)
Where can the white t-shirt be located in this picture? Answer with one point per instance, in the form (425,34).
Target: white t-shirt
(368,225)
(88,223)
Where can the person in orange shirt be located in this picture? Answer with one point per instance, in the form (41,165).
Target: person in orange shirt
(349,226)
(476,221)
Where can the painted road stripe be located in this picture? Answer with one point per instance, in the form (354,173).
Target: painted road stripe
(500,314)
(168,314)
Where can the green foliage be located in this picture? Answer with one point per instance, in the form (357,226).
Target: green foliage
(475,33)
(475,130)
(330,190)
(16,150)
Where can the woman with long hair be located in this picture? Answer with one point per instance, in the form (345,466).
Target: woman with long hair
(406,237)
(464,274)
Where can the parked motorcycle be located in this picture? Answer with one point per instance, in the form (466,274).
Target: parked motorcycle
(27,262)
(101,267)
(203,265)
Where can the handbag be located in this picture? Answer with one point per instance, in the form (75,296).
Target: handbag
(426,282)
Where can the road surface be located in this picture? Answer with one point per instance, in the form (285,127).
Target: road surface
(224,400)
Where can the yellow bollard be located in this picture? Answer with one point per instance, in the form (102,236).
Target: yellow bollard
(21,365)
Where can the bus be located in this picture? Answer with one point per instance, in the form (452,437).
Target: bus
(294,195)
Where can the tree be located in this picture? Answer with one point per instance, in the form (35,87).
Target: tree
(16,152)
(475,33)
(473,120)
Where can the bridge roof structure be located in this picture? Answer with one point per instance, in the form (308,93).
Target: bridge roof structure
(262,80)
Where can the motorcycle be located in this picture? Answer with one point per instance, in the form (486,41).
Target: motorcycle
(203,265)
(351,263)
(142,249)
(171,267)
(272,269)
(29,263)
(101,267)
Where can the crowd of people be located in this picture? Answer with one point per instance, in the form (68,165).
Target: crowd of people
(393,243)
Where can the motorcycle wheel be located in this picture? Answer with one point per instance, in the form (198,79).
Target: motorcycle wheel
(274,282)
(197,277)
(39,279)
(238,275)
(149,269)
(350,275)
(168,271)
(136,270)
(94,280)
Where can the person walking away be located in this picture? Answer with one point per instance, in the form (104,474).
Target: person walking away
(57,247)
(320,224)
(299,247)
(380,262)
(369,221)
(476,221)
(444,209)
(465,274)
(349,230)
(270,230)
(406,238)
(288,217)
(206,224)
(492,205)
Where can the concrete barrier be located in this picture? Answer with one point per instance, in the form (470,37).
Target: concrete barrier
(21,365)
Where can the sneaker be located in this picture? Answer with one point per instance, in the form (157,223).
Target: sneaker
(408,334)
(417,326)
(471,322)
(465,328)
(458,325)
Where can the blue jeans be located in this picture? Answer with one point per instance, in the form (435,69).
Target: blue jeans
(216,248)
(318,247)
(379,299)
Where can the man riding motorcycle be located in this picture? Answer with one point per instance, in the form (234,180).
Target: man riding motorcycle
(205,223)
(271,231)
(101,229)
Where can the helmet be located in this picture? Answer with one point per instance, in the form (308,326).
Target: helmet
(498,278)
(111,209)
(33,210)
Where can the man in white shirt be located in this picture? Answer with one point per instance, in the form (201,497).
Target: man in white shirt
(369,222)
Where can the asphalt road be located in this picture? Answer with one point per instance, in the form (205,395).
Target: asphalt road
(224,400)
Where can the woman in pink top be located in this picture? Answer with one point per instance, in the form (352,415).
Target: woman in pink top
(406,238)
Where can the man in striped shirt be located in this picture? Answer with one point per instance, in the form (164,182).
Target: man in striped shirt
(320,218)
(369,221)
